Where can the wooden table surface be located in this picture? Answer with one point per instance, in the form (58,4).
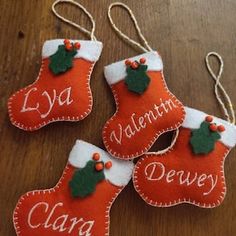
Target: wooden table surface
(183,31)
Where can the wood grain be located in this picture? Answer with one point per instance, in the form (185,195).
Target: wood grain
(183,31)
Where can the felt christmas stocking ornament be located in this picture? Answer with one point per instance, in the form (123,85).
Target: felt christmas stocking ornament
(80,202)
(62,90)
(145,106)
(193,171)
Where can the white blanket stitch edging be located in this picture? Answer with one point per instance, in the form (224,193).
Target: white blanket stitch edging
(137,154)
(184,200)
(19,203)
(63,118)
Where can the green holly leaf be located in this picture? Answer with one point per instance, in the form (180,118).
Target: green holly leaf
(203,139)
(84,180)
(62,60)
(143,68)
(204,128)
(137,80)
(216,136)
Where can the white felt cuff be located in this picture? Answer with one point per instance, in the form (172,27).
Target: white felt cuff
(120,172)
(117,71)
(194,118)
(89,50)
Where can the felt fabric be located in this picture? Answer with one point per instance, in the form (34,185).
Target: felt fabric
(84,180)
(182,176)
(203,139)
(62,60)
(55,211)
(51,98)
(137,79)
(116,72)
(194,118)
(141,119)
(118,175)
(89,50)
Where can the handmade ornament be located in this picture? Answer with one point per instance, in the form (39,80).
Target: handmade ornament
(192,169)
(145,106)
(80,202)
(62,90)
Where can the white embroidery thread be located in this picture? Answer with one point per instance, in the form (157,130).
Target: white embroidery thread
(67,100)
(156,171)
(136,124)
(59,223)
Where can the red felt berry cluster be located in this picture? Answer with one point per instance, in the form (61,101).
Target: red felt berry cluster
(99,166)
(70,46)
(213,127)
(135,64)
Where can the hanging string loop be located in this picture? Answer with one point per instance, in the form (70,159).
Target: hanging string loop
(145,47)
(166,150)
(227,108)
(90,34)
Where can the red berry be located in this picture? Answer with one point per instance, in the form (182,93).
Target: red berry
(128,62)
(142,60)
(99,166)
(66,41)
(134,65)
(213,127)
(221,128)
(209,119)
(77,45)
(108,165)
(69,46)
(96,156)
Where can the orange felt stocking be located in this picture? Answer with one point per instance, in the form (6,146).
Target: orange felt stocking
(62,90)
(56,97)
(75,206)
(193,171)
(65,96)
(145,106)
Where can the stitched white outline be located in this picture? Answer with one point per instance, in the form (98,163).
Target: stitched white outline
(57,187)
(55,119)
(139,153)
(184,200)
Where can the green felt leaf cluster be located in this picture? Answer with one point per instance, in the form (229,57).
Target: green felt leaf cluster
(62,60)
(203,139)
(137,80)
(84,180)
